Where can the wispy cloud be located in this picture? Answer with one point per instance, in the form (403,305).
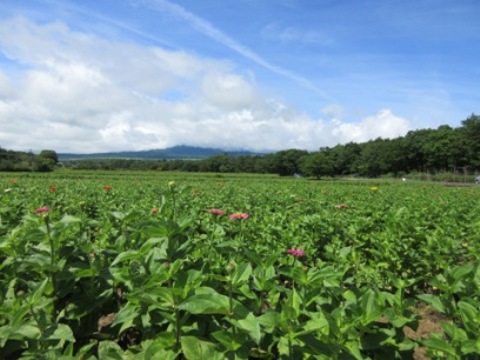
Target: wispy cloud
(290,34)
(208,29)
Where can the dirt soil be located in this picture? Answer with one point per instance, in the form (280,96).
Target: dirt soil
(429,323)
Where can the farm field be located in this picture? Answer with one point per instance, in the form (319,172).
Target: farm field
(149,265)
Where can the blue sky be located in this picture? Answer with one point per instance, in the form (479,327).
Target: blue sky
(105,75)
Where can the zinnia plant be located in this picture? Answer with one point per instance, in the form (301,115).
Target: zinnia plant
(239,216)
(296,252)
(42,210)
(216,212)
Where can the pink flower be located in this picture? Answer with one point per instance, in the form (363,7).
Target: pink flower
(296,252)
(216,212)
(42,210)
(239,216)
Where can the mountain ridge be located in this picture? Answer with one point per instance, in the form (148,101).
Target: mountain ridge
(178,152)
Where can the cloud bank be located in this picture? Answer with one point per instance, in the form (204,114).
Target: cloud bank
(77,92)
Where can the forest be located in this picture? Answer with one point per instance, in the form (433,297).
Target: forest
(431,151)
(11,160)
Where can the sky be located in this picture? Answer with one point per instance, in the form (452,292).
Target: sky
(90,76)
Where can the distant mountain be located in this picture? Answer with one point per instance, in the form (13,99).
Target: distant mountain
(173,153)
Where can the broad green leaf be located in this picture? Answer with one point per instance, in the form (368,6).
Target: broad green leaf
(439,345)
(69,219)
(126,315)
(230,341)
(471,346)
(350,296)
(371,310)
(109,350)
(196,349)
(118,215)
(241,273)
(251,325)
(162,348)
(433,300)
(59,332)
(470,316)
(294,301)
(124,256)
(206,304)
(25,332)
(270,321)
(318,322)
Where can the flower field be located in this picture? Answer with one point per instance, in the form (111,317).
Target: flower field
(200,266)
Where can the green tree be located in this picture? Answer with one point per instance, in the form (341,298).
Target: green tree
(49,154)
(317,164)
(471,133)
(445,149)
(287,162)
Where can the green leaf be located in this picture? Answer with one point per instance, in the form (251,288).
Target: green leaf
(470,316)
(162,348)
(109,350)
(471,346)
(434,301)
(69,219)
(166,296)
(316,323)
(26,332)
(59,332)
(371,311)
(294,302)
(241,274)
(126,255)
(118,215)
(252,325)
(196,349)
(350,296)
(126,315)
(270,321)
(230,341)
(439,345)
(206,304)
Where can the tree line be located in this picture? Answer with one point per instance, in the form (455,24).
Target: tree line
(444,149)
(11,160)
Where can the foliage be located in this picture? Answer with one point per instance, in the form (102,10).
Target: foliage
(22,161)
(141,266)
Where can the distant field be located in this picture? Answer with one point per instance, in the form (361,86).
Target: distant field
(154,265)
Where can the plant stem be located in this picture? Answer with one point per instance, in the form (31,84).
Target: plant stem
(177,328)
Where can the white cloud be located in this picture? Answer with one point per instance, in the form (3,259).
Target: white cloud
(384,124)
(76,92)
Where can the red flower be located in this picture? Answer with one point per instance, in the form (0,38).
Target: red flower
(216,212)
(107,188)
(42,210)
(296,252)
(239,216)
(52,189)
